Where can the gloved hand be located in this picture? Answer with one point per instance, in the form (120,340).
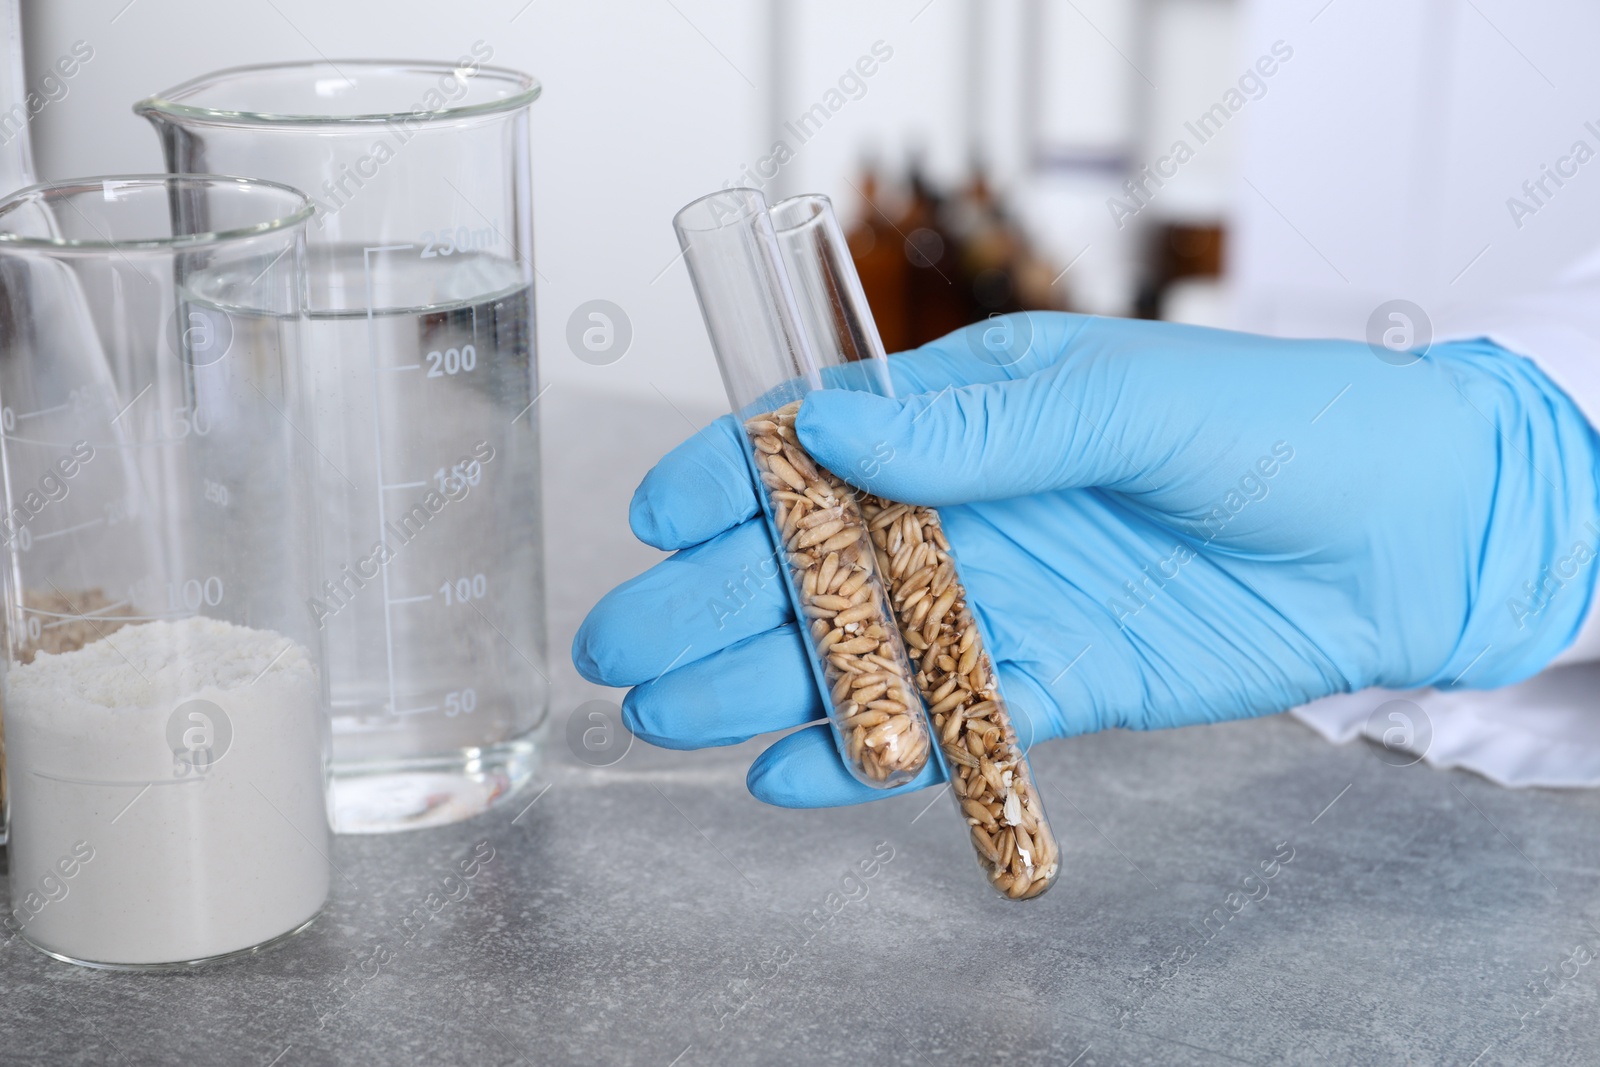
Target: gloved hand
(1159,525)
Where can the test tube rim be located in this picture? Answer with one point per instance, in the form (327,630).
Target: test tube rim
(818,203)
(752,201)
(754,212)
(822,216)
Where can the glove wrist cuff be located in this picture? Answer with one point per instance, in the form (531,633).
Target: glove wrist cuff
(1541,558)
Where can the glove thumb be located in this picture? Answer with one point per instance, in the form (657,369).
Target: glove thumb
(984,442)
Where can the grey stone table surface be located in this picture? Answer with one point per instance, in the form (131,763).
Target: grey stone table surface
(653,913)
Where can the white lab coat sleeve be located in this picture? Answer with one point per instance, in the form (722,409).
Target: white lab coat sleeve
(1542,732)
(1546,730)
(1559,329)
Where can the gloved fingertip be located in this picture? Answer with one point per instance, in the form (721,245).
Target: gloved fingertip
(646,718)
(771,781)
(832,421)
(852,433)
(803,770)
(695,492)
(584,660)
(650,523)
(637,716)
(838,411)
(602,652)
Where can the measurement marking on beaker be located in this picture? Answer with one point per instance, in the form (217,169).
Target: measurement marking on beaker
(154,442)
(377,448)
(130,403)
(43,411)
(95,616)
(81,614)
(69,529)
(406,485)
(37,441)
(63,618)
(408,366)
(110,781)
(417,711)
(410,599)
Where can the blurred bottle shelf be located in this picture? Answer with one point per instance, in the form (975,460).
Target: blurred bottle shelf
(1176,256)
(932,261)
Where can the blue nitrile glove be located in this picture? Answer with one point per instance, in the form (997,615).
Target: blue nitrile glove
(1159,524)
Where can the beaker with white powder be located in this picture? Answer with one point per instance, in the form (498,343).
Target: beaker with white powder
(164,693)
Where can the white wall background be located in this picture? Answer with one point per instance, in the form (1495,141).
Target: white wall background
(639,115)
(650,103)
(1390,145)
(1385,149)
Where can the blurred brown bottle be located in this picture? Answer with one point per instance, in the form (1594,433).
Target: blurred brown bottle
(875,247)
(939,263)
(937,293)
(1177,251)
(1004,271)
(990,248)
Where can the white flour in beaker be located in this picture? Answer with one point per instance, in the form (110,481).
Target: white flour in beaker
(167,793)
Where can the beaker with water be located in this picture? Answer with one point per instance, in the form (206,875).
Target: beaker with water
(164,702)
(421,336)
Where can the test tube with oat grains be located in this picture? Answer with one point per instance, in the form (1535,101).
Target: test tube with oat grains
(982,757)
(824,549)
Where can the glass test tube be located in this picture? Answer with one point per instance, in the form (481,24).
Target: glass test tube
(985,762)
(857,656)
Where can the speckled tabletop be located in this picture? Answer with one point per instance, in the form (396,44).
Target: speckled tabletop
(652,913)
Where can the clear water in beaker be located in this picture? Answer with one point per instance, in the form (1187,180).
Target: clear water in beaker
(429,496)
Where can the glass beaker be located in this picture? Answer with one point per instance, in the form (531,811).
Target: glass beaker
(164,689)
(16,146)
(16,171)
(421,335)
